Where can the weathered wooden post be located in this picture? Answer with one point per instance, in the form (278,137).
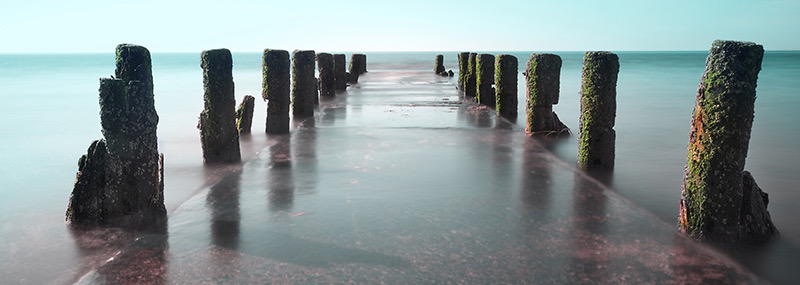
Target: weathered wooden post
(484,68)
(439,69)
(596,141)
(471,88)
(120,181)
(339,72)
(463,68)
(543,79)
(304,84)
(505,78)
(720,202)
(275,90)
(244,114)
(326,75)
(218,133)
(358,66)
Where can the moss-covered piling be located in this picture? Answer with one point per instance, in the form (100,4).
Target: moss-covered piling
(326,75)
(484,76)
(218,132)
(339,72)
(275,90)
(721,202)
(439,65)
(358,66)
(244,114)
(596,142)
(120,181)
(463,68)
(505,78)
(543,76)
(470,86)
(304,84)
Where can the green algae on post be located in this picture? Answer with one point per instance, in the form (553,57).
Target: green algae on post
(339,72)
(304,84)
(542,76)
(596,140)
(463,67)
(244,114)
(120,181)
(470,88)
(505,78)
(721,202)
(275,90)
(326,75)
(484,76)
(218,132)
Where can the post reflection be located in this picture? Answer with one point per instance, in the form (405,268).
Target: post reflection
(281,186)
(589,256)
(536,179)
(223,201)
(304,155)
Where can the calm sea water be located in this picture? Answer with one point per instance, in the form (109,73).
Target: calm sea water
(50,115)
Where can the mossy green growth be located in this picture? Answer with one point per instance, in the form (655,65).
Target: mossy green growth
(596,140)
(505,78)
(711,197)
(218,132)
(484,76)
(304,84)
(471,87)
(463,69)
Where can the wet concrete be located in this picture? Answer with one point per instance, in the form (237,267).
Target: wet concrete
(401,180)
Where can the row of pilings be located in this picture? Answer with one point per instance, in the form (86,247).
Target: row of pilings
(287,84)
(720,201)
(492,81)
(120,181)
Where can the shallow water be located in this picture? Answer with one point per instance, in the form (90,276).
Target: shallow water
(356,180)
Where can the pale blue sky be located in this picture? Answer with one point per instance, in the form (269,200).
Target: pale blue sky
(424,25)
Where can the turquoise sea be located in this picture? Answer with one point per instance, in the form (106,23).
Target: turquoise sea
(49,107)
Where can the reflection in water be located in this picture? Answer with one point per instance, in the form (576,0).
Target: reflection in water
(305,157)
(137,258)
(590,260)
(536,178)
(281,186)
(223,200)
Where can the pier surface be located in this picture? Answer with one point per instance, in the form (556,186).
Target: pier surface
(402,180)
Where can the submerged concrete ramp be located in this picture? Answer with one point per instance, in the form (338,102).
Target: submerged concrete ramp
(401,180)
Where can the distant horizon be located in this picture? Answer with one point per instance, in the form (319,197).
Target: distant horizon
(367,51)
(97,26)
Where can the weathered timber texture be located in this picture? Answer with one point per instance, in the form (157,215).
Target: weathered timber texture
(484,68)
(327,86)
(720,202)
(275,90)
(218,133)
(542,76)
(596,141)
(304,84)
(244,114)
(339,72)
(439,63)
(471,87)
(505,78)
(463,69)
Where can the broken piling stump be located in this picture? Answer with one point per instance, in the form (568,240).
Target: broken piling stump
(720,202)
(120,181)
(304,84)
(505,78)
(339,72)
(358,66)
(543,77)
(275,90)
(218,133)
(484,68)
(244,114)
(439,69)
(596,141)
(326,75)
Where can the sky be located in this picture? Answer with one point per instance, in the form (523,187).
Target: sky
(57,26)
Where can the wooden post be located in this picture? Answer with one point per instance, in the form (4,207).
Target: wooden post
(505,78)
(484,68)
(218,132)
(542,77)
(304,84)
(597,137)
(326,75)
(339,72)
(244,114)
(275,90)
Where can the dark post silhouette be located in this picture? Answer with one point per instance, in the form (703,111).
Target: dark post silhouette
(339,72)
(326,75)
(275,90)
(218,133)
(304,84)
(484,68)
(439,69)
